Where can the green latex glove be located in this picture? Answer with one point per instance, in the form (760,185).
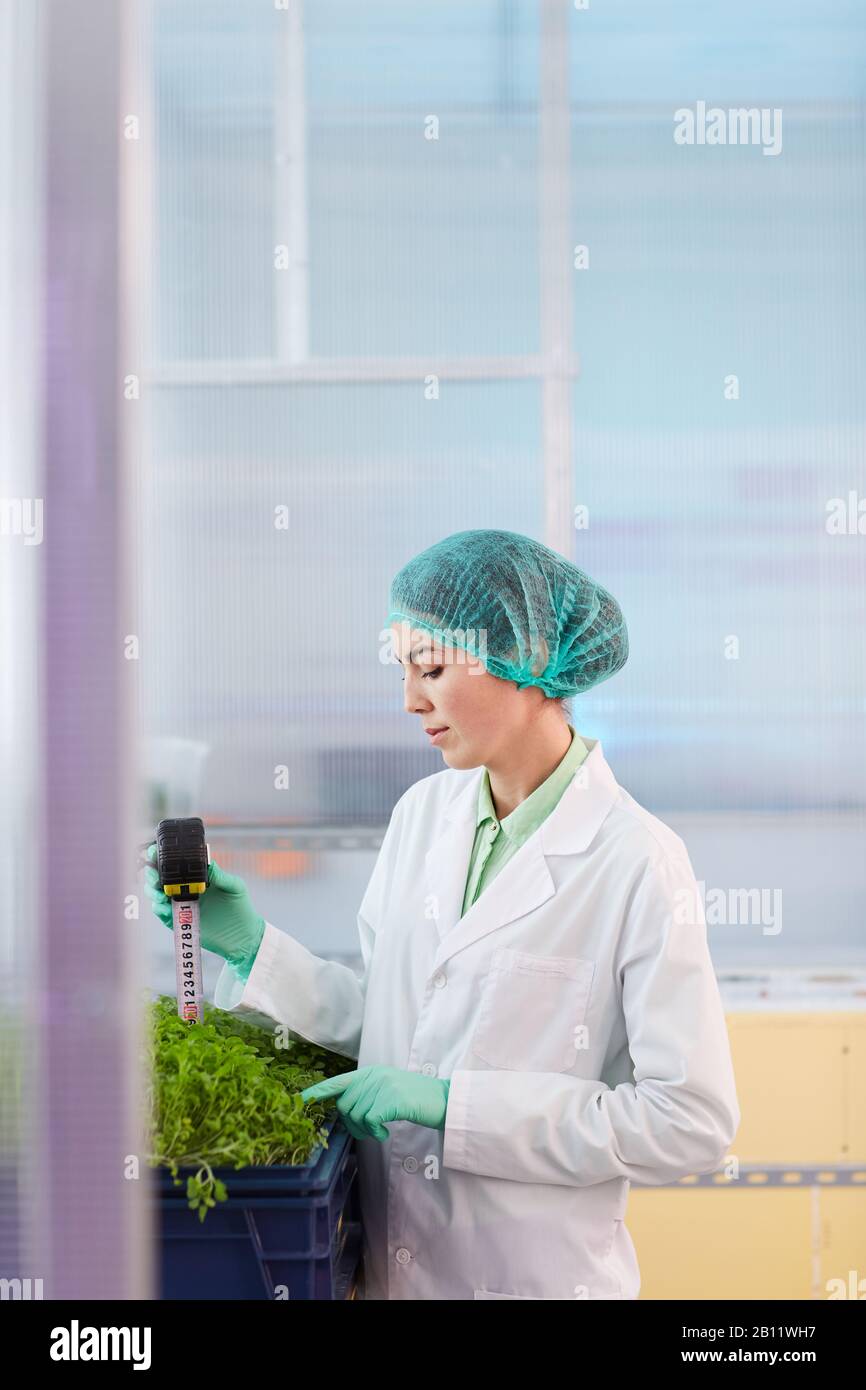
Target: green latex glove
(370,1097)
(230,925)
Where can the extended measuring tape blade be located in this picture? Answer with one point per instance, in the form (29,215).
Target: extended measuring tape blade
(187,961)
(183,858)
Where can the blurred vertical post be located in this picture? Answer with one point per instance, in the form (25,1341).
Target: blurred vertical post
(555,274)
(89,1220)
(292,290)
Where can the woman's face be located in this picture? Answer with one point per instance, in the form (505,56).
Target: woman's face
(448,688)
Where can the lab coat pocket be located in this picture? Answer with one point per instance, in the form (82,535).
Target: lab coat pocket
(532,1011)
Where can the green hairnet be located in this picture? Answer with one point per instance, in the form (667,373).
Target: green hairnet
(528,613)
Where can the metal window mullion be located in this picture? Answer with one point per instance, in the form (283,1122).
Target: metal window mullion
(555,275)
(291,285)
(323,370)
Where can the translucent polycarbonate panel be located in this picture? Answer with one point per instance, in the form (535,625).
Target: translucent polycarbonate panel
(719,416)
(417,224)
(376,326)
(261,640)
(213,93)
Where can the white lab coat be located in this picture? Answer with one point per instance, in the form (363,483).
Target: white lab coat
(574,1009)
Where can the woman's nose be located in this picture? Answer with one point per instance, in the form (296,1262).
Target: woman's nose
(414,700)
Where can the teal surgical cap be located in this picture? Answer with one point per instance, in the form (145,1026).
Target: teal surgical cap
(528,613)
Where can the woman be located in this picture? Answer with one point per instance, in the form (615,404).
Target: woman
(538,1022)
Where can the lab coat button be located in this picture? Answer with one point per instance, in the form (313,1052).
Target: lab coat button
(428,1069)
(410,1164)
(439,980)
(403,1256)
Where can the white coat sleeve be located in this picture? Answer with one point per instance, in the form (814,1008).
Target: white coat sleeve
(318,1000)
(679,1114)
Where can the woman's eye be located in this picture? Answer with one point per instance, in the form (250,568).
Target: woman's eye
(437,671)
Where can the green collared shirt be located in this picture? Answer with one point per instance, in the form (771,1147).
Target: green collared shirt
(497,840)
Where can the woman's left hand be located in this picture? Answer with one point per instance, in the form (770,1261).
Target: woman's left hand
(368,1098)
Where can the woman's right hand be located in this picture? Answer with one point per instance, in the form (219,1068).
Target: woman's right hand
(230,925)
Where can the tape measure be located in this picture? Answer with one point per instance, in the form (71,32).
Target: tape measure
(182,859)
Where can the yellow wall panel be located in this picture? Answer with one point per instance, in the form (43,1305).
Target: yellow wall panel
(800,1082)
(697,1243)
(855,1092)
(842,1241)
(796,1087)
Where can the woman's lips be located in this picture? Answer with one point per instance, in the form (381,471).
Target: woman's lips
(439,734)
